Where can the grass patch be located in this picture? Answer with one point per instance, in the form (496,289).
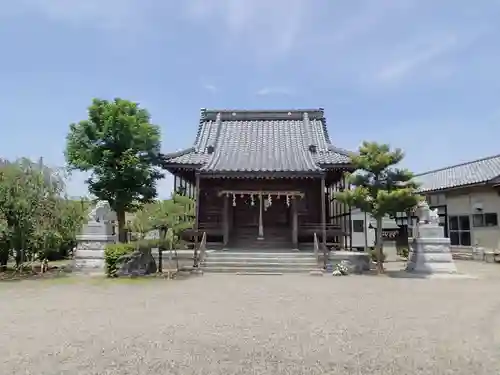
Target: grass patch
(31,271)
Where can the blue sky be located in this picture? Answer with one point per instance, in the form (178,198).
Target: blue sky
(422,75)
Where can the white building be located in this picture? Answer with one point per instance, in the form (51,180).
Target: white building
(364,229)
(467,197)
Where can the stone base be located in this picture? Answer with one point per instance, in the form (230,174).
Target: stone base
(316,273)
(89,265)
(89,253)
(358,261)
(431,256)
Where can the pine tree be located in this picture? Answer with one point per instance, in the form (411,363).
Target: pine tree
(379,188)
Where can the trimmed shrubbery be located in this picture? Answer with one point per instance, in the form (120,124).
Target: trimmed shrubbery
(404,252)
(113,252)
(374,256)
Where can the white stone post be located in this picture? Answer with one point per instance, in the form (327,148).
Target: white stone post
(430,249)
(261,219)
(96,234)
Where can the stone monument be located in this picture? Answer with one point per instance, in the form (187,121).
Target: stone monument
(96,234)
(430,250)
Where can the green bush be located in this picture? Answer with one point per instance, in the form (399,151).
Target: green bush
(374,255)
(113,252)
(403,253)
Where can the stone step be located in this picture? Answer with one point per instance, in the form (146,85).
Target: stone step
(257,264)
(261,245)
(254,254)
(275,261)
(260,259)
(259,270)
(249,273)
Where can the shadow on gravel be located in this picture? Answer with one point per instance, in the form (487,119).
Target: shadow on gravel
(398,274)
(401,274)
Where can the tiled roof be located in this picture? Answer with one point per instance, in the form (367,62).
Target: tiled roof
(471,173)
(264,141)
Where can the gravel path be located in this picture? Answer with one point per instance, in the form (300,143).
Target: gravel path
(219,324)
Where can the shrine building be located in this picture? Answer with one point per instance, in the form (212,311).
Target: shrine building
(264,180)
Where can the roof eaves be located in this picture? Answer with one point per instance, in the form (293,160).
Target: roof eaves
(457,165)
(260,174)
(176,154)
(342,151)
(454,187)
(495,180)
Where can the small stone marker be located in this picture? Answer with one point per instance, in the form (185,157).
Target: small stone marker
(96,234)
(430,248)
(316,273)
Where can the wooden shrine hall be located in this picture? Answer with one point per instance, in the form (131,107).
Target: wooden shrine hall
(264,179)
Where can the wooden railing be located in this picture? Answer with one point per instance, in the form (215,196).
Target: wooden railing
(208,225)
(214,229)
(319,225)
(311,228)
(202,249)
(316,247)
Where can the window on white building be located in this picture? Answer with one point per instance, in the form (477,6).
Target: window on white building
(358,226)
(459,229)
(485,219)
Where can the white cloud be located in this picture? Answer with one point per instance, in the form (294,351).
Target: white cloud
(209,87)
(268,26)
(426,55)
(370,14)
(417,58)
(106,14)
(265,91)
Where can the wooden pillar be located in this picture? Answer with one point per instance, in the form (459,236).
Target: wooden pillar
(197,215)
(345,219)
(261,221)
(350,224)
(295,224)
(323,209)
(225,219)
(175,184)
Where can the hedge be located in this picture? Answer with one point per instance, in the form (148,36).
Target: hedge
(374,255)
(113,252)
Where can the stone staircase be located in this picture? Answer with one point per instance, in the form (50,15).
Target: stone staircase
(275,239)
(259,262)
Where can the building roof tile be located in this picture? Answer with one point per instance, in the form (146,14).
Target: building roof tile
(261,141)
(471,173)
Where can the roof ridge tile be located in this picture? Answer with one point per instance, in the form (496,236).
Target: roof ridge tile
(459,165)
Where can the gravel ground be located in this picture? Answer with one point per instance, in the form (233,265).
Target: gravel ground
(225,324)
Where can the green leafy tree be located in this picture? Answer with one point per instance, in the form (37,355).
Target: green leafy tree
(37,221)
(70,216)
(120,147)
(5,250)
(27,193)
(172,217)
(142,221)
(379,187)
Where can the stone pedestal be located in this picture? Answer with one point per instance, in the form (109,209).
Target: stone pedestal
(430,252)
(89,255)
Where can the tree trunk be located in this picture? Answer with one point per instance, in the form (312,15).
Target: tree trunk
(378,247)
(122,232)
(4,257)
(160,257)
